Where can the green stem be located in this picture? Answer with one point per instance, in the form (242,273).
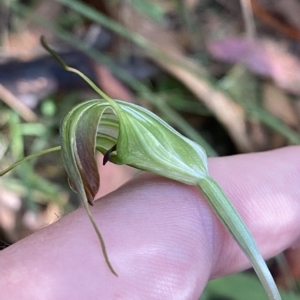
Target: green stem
(239,231)
(57,148)
(102,243)
(84,77)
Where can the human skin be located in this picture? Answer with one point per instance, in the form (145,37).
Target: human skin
(162,238)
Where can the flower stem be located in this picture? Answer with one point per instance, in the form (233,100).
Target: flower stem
(239,231)
(57,148)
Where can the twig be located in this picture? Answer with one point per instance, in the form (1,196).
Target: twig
(12,101)
(248,19)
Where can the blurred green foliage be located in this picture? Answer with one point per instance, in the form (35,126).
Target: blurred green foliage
(242,286)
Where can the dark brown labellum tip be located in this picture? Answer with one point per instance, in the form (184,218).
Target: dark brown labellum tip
(107,154)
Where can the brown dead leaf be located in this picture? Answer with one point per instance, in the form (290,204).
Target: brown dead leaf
(112,86)
(266,58)
(240,50)
(288,277)
(258,135)
(289,9)
(293,259)
(276,102)
(268,13)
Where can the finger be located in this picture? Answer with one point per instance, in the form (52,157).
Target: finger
(161,236)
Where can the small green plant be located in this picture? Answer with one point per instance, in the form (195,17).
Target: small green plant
(129,134)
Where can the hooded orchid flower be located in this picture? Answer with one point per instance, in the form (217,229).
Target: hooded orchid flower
(126,133)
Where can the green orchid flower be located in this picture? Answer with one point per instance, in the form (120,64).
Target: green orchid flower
(129,134)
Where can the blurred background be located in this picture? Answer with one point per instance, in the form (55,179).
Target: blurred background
(224,73)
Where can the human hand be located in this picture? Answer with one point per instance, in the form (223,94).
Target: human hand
(161,236)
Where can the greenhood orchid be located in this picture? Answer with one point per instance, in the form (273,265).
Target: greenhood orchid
(126,133)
